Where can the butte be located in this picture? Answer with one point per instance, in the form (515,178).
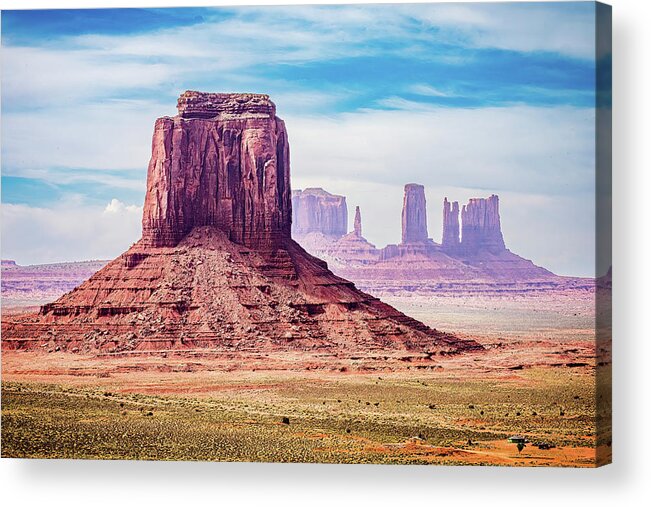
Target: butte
(216,268)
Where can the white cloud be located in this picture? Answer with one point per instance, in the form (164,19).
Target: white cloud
(41,77)
(539,160)
(428,91)
(67,232)
(116,207)
(111,135)
(567,30)
(536,149)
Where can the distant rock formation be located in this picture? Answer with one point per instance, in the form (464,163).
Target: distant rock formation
(318,211)
(481,229)
(414,214)
(216,269)
(415,240)
(357,226)
(353,248)
(450,242)
(472,253)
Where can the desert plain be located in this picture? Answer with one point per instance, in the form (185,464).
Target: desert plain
(541,376)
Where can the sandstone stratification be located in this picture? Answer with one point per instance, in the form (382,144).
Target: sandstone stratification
(216,269)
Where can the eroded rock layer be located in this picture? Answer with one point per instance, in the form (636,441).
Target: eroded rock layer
(210,293)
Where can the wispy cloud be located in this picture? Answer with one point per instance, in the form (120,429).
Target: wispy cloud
(428,91)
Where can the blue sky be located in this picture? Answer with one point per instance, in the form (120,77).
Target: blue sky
(468,99)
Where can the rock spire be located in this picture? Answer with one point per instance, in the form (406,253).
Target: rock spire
(414,214)
(357,226)
(450,241)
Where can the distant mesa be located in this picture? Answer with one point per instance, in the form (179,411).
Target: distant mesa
(318,211)
(216,268)
(8,262)
(472,250)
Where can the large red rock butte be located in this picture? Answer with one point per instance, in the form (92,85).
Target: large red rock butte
(216,269)
(222,162)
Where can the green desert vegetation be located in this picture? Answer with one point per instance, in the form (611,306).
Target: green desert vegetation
(337,419)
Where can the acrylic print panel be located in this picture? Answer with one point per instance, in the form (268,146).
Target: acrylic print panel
(423,278)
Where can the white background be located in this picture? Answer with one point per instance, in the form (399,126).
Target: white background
(626,482)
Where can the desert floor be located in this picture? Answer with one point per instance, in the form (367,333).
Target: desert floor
(537,378)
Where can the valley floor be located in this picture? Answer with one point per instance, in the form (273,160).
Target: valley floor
(537,378)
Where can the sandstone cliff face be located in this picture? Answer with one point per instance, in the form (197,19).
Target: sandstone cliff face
(223,162)
(414,214)
(481,229)
(450,241)
(318,211)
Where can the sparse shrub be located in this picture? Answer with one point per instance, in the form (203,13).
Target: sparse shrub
(285,420)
